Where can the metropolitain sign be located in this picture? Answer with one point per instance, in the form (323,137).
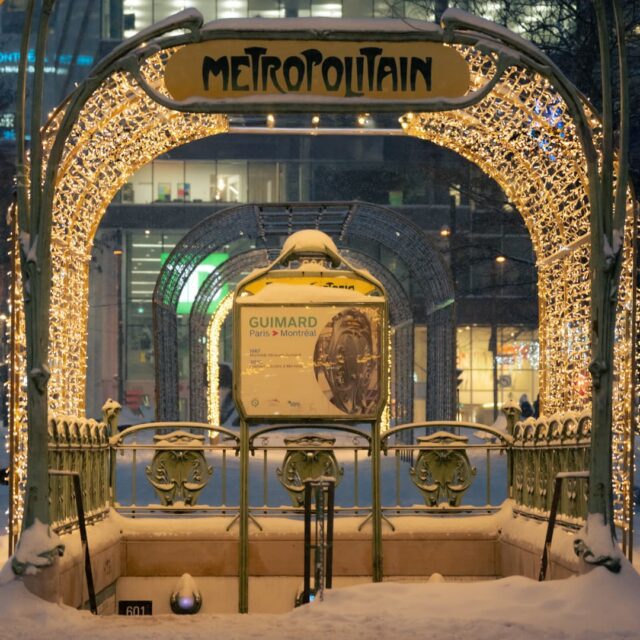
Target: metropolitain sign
(219,69)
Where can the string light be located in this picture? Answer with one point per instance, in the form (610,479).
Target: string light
(540,165)
(213,357)
(119,116)
(513,135)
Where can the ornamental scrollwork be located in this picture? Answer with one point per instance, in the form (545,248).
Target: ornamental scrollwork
(442,471)
(177,473)
(307,457)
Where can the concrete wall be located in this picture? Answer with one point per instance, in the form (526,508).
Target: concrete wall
(144,549)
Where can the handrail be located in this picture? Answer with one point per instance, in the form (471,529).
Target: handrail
(552,517)
(119,437)
(77,488)
(505,437)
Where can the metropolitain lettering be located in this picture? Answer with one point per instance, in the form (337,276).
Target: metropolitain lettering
(348,76)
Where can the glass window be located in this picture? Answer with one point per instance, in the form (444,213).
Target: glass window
(232,9)
(165,8)
(290,181)
(418,11)
(263,181)
(139,188)
(229,183)
(137,16)
(198,177)
(357,9)
(326,8)
(296,8)
(168,181)
(516,354)
(388,8)
(420,373)
(206,7)
(265,9)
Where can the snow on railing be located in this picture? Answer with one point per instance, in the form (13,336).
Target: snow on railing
(543,447)
(80,445)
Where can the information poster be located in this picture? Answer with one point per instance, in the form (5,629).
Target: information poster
(311,361)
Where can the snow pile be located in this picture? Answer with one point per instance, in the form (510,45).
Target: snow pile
(598,605)
(37,548)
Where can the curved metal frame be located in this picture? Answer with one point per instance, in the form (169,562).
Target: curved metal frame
(401,319)
(87,155)
(351,223)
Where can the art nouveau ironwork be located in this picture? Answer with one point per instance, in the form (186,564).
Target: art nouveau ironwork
(442,470)
(179,470)
(309,457)
(353,224)
(522,122)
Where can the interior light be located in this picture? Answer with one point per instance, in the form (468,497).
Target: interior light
(271,120)
(315,120)
(500,259)
(445,231)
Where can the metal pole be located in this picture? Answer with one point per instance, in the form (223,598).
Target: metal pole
(36,271)
(320,542)
(607,232)
(243,564)
(307,543)
(619,217)
(330,516)
(376,505)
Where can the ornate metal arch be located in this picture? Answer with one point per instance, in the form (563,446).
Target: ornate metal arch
(350,225)
(199,318)
(522,122)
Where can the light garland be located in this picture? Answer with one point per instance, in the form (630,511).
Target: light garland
(119,130)
(213,357)
(520,135)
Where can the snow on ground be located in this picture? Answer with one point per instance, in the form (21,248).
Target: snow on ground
(599,605)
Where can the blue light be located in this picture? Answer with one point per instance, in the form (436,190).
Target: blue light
(552,113)
(13,57)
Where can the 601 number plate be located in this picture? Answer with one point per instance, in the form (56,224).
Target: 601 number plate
(135,607)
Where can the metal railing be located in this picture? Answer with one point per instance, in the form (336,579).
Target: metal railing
(431,471)
(82,523)
(170,465)
(541,449)
(81,446)
(440,467)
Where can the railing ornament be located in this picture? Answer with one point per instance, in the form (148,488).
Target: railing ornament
(308,457)
(443,474)
(179,470)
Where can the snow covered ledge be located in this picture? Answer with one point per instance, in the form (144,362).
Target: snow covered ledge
(459,548)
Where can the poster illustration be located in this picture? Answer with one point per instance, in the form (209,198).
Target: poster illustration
(311,361)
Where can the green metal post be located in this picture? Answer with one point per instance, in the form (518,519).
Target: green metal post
(607,232)
(376,504)
(620,208)
(512,412)
(243,562)
(36,272)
